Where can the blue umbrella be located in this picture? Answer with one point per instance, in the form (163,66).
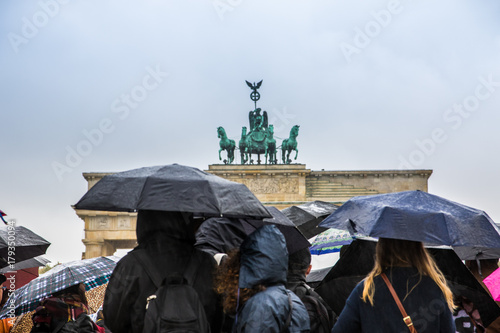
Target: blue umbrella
(417,216)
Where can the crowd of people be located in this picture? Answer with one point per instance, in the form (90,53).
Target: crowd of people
(166,284)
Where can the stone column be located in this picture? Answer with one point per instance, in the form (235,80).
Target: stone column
(93,248)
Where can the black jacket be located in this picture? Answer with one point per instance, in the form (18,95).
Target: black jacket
(168,240)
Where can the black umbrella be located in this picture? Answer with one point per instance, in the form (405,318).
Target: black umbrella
(358,260)
(417,216)
(476,253)
(18,243)
(28,263)
(172,188)
(220,235)
(307,216)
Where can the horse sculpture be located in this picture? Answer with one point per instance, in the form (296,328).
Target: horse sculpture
(226,144)
(290,144)
(243,145)
(271,145)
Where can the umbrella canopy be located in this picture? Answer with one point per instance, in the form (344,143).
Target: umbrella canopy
(220,235)
(307,216)
(91,272)
(18,243)
(417,216)
(29,263)
(330,241)
(172,188)
(358,260)
(325,250)
(492,281)
(476,253)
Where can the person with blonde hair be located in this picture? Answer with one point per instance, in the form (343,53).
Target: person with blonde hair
(426,300)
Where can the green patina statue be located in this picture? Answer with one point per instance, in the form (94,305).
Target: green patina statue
(290,144)
(225,144)
(260,138)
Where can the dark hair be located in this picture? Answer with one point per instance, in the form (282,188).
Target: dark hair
(299,261)
(226,283)
(76,291)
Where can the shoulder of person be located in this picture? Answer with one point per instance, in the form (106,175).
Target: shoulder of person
(205,257)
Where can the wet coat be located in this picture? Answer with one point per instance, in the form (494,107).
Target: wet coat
(425,305)
(167,239)
(264,260)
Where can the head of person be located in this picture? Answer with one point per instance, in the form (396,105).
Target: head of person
(403,253)
(177,225)
(299,264)
(77,292)
(261,261)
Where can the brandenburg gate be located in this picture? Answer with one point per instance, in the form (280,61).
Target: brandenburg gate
(273,178)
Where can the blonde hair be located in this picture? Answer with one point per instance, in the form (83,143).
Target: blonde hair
(395,252)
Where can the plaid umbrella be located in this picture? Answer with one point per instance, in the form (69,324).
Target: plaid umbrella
(95,298)
(91,272)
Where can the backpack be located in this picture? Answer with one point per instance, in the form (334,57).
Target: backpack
(175,306)
(321,316)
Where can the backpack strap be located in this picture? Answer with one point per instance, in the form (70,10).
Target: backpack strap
(406,318)
(148,265)
(289,317)
(322,309)
(192,267)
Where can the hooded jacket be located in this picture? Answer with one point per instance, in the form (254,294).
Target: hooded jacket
(168,239)
(264,260)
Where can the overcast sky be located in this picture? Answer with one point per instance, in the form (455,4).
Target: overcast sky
(107,86)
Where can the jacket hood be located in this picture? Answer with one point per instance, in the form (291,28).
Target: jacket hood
(264,258)
(154,223)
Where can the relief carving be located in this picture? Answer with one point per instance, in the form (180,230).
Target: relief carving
(289,185)
(100,222)
(272,185)
(123,223)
